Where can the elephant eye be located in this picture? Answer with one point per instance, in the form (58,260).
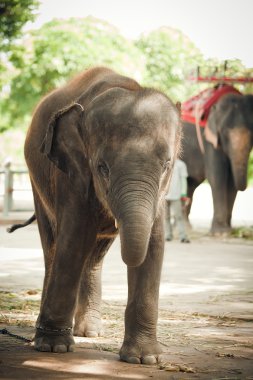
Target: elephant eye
(103,169)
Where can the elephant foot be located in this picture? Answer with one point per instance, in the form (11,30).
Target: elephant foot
(89,326)
(220,230)
(141,353)
(54,340)
(220,234)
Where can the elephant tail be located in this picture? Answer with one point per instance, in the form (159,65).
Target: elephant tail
(21,225)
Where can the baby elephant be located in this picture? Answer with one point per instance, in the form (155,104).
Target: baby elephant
(100,151)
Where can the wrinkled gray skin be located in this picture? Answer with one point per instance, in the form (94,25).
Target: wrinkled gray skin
(228,140)
(108,159)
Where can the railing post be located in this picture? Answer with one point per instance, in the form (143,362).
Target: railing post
(8,189)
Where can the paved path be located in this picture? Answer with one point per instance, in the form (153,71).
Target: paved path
(205,319)
(204,269)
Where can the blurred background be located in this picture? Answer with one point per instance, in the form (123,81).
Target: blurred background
(160,43)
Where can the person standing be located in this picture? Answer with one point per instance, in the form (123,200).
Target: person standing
(173,202)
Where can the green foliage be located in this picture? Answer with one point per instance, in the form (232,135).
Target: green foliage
(46,58)
(170,57)
(59,50)
(250,169)
(14,14)
(243,232)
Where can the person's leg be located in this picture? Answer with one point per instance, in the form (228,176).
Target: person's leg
(168,227)
(178,212)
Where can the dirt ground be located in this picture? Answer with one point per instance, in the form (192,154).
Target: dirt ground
(205,314)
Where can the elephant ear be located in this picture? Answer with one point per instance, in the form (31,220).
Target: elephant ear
(64,146)
(211,129)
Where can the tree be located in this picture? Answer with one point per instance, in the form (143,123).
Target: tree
(59,50)
(170,57)
(14,15)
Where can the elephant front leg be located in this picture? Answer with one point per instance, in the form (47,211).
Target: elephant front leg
(219,223)
(223,200)
(54,329)
(88,309)
(218,172)
(140,342)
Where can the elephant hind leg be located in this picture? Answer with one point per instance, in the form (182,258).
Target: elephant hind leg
(88,310)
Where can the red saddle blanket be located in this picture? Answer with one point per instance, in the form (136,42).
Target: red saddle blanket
(199,105)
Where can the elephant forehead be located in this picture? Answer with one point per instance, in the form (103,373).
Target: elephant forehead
(146,144)
(130,129)
(157,107)
(145,147)
(147,121)
(150,102)
(135,112)
(149,144)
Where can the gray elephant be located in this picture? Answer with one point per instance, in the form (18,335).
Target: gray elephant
(227,140)
(100,153)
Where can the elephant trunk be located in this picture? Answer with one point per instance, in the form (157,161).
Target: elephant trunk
(240,147)
(135,210)
(240,177)
(134,238)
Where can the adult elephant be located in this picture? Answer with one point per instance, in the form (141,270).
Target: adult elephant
(100,152)
(227,142)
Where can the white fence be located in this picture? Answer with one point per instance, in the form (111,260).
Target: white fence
(14,181)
